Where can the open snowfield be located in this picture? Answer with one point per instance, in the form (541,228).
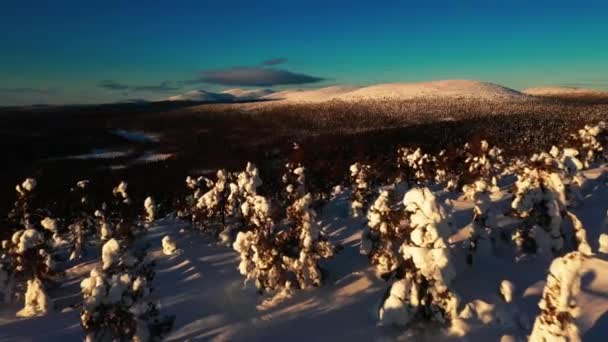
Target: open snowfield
(202,287)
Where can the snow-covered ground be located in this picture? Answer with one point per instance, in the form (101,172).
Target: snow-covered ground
(201,286)
(561,91)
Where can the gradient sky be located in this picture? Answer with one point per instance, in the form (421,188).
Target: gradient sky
(104,51)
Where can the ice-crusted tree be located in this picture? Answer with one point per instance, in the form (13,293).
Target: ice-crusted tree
(210,212)
(103,223)
(294,182)
(558,307)
(484,162)
(116,298)
(540,201)
(423,293)
(151,210)
(311,244)
(591,141)
(445,172)
(26,260)
(258,248)
(483,227)
(80,220)
(122,215)
(196,188)
(416,167)
(25,268)
(282,256)
(385,234)
(361,179)
(22,211)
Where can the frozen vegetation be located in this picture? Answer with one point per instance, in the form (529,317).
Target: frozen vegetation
(463,244)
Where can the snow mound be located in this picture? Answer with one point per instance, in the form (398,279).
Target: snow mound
(563,91)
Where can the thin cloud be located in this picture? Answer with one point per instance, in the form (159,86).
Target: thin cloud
(27,90)
(117,86)
(274,61)
(253,77)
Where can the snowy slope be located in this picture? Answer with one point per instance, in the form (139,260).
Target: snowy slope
(404,91)
(561,91)
(446,88)
(202,287)
(311,95)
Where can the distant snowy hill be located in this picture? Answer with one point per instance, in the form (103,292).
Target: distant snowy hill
(563,91)
(248,95)
(400,91)
(231,95)
(403,91)
(311,95)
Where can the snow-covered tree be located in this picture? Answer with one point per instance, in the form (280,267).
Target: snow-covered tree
(211,207)
(540,201)
(591,141)
(385,234)
(258,247)
(37,302)
(294,182)
(312,244)
(21,214)
(25,266)
(103,224)
(416,167)
(483,233)
(122,215)
(558,308)
(151,209)
(424,291)
(80,220)
(116,303)
(484,162)
(26,260)
(169,246)
(361,178)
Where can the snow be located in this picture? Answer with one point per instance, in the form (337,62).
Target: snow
(110,252)
(169,246)
(557,90)
(49,224)
(311,95)
(400,91)
(403,91)
(150,208)
(36,300)
(248,94)
(202,286)
(100,154)
(26,239)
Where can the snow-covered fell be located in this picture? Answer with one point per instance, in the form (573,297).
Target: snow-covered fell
(248,94)
(403,91)
(563,91)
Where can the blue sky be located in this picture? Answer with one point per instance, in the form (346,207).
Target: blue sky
(104,51)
